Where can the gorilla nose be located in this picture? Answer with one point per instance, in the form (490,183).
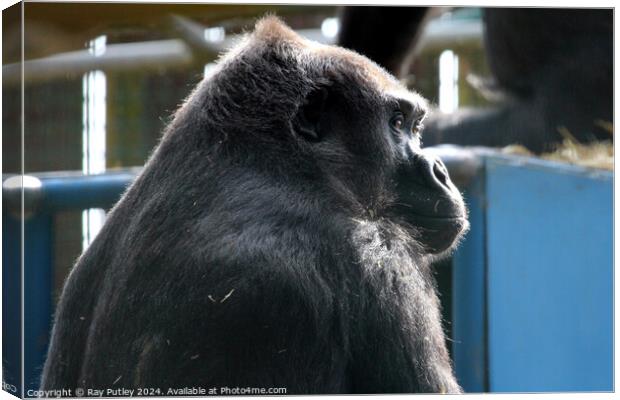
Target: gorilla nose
(434,173)
(425,181)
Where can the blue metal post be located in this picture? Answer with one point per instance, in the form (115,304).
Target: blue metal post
(11,303)
(38,278)
(469,295)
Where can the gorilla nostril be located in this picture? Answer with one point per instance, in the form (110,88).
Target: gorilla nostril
(431,172)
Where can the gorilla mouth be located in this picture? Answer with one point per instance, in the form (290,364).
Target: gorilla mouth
(446,218)
(439,233)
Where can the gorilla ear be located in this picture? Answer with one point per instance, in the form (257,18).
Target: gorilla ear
(307,122)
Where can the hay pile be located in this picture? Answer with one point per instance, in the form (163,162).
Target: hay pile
(593,155)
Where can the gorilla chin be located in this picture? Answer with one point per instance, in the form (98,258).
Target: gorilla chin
(440,235)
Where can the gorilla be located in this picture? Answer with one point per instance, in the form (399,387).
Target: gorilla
(552,71)
(280,236)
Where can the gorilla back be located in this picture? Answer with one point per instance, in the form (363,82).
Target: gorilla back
(279,236)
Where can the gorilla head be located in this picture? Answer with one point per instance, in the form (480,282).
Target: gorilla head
(279,236)
(330,119)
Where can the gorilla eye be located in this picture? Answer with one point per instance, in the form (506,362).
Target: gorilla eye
(417,126)
(397,122)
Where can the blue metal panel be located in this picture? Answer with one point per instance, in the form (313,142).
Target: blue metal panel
(550,277)
(468,286)
(38,258)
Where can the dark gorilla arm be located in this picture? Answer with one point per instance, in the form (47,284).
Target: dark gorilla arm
(72,321)
(383,34)
(555,74)
(522,43)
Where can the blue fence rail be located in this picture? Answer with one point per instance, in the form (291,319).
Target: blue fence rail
(532,283)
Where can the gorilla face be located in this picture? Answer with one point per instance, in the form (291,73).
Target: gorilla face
(378,131)
(427,200)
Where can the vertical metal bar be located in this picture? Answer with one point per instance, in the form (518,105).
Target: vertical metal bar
(23,171)
(38,258)
(469,295)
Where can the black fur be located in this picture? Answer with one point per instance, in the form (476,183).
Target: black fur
(249,253)
(383,34)
(552,67)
